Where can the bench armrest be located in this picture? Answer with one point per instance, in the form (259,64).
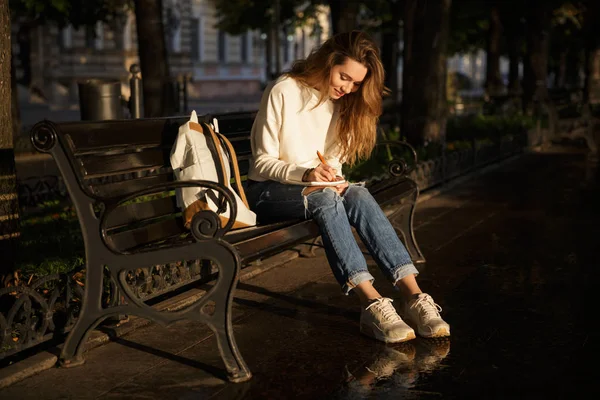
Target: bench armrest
(205,224)
(399,167)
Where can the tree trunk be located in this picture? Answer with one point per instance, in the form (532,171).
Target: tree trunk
(14,98)
(424,79)
(153,58)
(591,84)
(535,89)
(514,57)
(343,15)
(389,51)
(560,79)
(493,82)
(514,38)
(24,42)
(574,63)
(9,206)
(277,37)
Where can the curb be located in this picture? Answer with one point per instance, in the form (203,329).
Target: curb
(45,360)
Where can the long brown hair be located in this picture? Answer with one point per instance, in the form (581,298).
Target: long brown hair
(360,111)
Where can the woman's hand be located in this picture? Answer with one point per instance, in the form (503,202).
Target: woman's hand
(322,173)
(341,188)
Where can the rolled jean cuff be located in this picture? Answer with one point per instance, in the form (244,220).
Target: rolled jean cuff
(403,271)
(357,280)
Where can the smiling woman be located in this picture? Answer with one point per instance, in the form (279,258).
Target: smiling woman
(346,78)
(329,104)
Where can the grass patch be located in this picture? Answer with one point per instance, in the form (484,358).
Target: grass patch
(51,240)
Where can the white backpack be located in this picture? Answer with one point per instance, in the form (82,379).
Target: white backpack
(193,157)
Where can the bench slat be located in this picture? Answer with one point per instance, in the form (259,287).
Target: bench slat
(242,234)
(270,243)
(242,147)
(235,122)
(151,233)
(88,137)
(245,237)
(129,186)
(102,165)
(139,212)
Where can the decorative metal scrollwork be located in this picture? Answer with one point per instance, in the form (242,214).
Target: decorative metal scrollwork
(34,313)
(35,190)
(205,225)
(398,168)
(43,136)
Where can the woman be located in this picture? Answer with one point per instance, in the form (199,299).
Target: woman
(330,102)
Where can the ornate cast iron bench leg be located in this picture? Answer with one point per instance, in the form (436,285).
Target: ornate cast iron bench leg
(214,309)
(89,317)
(219,319)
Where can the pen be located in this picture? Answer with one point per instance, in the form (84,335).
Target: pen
(321,158)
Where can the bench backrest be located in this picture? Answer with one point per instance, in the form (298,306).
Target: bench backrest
(114,159)
(236,127)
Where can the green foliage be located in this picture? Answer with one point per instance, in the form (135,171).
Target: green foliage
(461,134)
(65,12)
(51,241)
(486,127)
(469,21)
(238,16)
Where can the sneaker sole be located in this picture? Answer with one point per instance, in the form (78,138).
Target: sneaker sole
(367,331)
(438,334)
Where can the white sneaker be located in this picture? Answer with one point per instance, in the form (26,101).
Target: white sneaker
(381,321)
(424,316)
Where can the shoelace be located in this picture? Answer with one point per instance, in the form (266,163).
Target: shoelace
(384,305)
(427,307)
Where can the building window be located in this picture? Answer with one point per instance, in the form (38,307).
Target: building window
(99,42)
(65,37)
(196,36)
(222,46)
(244,46)
(90,37)
(94,36)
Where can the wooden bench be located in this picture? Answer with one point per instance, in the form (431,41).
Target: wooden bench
(119,179)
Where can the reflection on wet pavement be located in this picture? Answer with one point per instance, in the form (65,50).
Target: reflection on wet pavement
(395,370)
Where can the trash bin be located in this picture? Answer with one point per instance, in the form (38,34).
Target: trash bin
(100,100)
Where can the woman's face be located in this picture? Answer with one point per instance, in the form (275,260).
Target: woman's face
(346,78)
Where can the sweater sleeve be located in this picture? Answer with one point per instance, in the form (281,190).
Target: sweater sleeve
(266,134)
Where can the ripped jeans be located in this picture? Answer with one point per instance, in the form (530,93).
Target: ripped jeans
(336,215)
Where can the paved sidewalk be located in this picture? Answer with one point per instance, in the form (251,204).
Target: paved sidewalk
(510,257)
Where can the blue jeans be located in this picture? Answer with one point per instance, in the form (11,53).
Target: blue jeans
(336,215)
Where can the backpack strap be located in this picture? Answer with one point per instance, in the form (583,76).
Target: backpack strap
(236,168)
(214,145)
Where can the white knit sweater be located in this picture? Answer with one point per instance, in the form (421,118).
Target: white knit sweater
(287,133)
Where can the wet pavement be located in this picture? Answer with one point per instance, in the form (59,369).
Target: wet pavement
(511,258)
